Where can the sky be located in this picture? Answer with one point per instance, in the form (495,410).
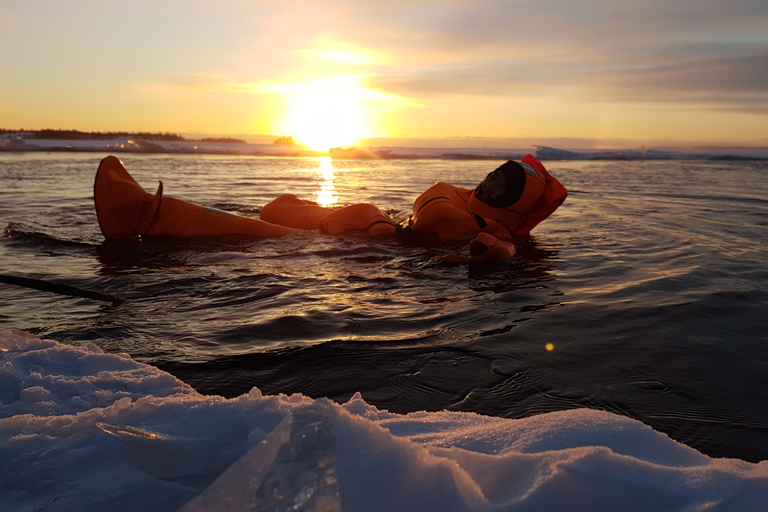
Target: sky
(573,73)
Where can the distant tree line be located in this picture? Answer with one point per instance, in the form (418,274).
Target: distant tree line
(78,135)
(222,139)
(285,141)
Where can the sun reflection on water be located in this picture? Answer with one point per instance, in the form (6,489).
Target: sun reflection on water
(327,195)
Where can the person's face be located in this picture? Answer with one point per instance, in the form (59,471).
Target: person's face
(491,187)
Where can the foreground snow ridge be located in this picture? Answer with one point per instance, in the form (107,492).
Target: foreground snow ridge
(83,430)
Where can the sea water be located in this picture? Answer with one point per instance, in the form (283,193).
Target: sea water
(643,295)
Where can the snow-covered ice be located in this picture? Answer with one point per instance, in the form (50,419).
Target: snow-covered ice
(83,430)
(19,143)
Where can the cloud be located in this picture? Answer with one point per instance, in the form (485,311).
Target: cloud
(712,52)
(717,78)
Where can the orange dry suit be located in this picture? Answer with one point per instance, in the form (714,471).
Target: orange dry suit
(509,202)
(126,210)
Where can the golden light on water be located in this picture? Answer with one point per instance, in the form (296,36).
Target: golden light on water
(550,347)
(327,195)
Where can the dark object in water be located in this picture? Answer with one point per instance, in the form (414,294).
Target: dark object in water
(61,289)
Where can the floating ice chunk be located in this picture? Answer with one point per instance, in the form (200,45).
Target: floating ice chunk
(294,468)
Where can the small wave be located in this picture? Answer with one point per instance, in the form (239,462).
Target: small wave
(24,235)
(241,209)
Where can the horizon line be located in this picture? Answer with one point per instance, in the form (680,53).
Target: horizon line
(478,142)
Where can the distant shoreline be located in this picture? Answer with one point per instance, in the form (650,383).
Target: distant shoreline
(169,143)
(58,134)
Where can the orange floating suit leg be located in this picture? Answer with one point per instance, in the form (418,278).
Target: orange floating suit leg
(126,210)
(363,218)
(358,218)
(290,211)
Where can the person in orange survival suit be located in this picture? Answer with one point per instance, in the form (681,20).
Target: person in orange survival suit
(509,202)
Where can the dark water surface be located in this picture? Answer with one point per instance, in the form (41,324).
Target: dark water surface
(649,285)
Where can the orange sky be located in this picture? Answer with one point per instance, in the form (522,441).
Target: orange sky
(584,71)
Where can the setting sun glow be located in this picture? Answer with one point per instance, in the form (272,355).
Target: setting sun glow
(329,112)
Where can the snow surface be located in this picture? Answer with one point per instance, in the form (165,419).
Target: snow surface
(83,430)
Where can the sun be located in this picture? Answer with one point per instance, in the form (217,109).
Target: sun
(329,112)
